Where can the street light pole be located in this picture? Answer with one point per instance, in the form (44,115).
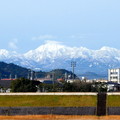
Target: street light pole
(73,65)
(53,80)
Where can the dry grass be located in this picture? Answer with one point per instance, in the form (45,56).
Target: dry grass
(58,117)
(47,101)
(113,101)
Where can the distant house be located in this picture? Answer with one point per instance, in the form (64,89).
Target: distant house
(60,80)
(49,82)
(113,87)
(5,84)
(8,79)
(43,79)
(46,81)
(70,80)
(114,75)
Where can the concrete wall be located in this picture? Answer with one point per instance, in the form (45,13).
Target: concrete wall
(55,110)
(47,110)
(113,110)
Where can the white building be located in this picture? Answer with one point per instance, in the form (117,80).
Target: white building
(114,75)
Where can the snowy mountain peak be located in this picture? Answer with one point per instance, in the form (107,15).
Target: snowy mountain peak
(105,48)
(3,52)
(53,50)
(53,55)
(50,46)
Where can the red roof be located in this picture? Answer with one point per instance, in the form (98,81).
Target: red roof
(8,79)
(60,79)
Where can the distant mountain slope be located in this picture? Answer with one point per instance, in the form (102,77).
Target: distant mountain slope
(54,55)
(62,73)
(7,70)
(11,69)
(92,75)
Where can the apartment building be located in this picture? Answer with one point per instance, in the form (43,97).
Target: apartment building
(114,75)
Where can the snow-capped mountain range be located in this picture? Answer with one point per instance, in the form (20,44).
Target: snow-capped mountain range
(54,55)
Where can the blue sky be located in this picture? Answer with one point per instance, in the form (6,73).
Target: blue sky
(27,24)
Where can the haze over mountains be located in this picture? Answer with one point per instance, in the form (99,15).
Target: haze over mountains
(54,55)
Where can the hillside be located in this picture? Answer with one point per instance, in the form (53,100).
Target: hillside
(11,69)
(61,73)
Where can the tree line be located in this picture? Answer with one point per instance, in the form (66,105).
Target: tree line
(26,85)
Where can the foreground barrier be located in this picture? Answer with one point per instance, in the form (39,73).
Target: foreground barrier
(113,110)
(101,108)
(56,111)
(47,110)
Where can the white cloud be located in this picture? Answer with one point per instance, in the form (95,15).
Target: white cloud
(44,37)
(13,44)
(52,42)
(78,36)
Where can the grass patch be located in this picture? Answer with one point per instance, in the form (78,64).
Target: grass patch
(113,101)
(47,101)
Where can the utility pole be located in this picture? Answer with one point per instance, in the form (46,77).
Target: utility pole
(35,75)
(30,74)
(73,65)
(66,76)
(10,76)
(15,76)
(53,80)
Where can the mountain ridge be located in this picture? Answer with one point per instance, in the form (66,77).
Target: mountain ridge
(54,55)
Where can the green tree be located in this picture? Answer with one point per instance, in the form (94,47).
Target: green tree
(23,85)
(99,87)
(69,87)
(43,87)
(77,86)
